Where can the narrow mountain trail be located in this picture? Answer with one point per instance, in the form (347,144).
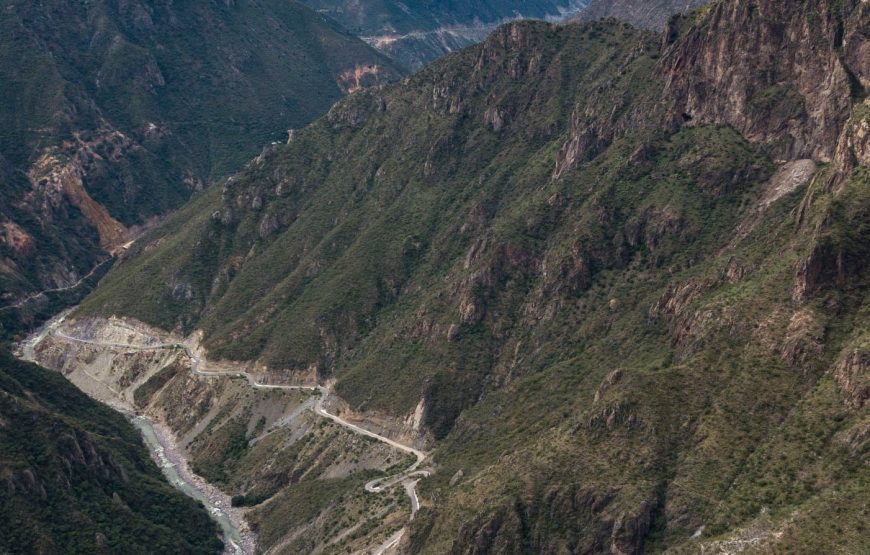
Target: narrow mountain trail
(75,285)
(408,478)
(114,254)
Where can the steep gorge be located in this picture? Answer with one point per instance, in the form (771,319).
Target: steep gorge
(75,475)
(620,282)
(115,113)
(271,448)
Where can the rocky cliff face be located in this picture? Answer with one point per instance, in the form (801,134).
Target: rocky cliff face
(784,74)
(792,79)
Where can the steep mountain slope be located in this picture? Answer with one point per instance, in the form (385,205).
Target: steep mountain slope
(76,478)
(114,113)
(620,281)
(646,14)
(416,33)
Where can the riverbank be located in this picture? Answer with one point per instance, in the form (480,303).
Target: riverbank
(239,539)
(113,352)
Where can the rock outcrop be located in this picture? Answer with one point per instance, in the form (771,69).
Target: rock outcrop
(852,372)
(838,254)
(784,73)
(59,176)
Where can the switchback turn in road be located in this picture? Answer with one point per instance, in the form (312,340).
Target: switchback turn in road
(407,478)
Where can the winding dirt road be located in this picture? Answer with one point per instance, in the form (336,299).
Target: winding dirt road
(75,285)
(407,478)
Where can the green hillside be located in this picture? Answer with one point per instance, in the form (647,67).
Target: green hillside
(625,274)
(76,477)
(114,113)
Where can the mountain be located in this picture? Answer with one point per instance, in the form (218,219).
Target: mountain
(76,478)
(416,33)
(616,281)
(646,14)
(114,113)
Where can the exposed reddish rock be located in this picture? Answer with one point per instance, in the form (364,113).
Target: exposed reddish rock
(609,381)
(629,531)
(857,440)
(16,238)
(676,299)
(494,118)
(59,176)
(734,272)
(359,77)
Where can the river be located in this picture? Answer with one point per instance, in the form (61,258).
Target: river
(174,468)
(238,539)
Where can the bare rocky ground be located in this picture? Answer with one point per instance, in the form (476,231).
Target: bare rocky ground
(133,368)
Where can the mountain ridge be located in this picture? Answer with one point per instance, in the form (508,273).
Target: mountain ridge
(628,320)
(646,14)
(418,34)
